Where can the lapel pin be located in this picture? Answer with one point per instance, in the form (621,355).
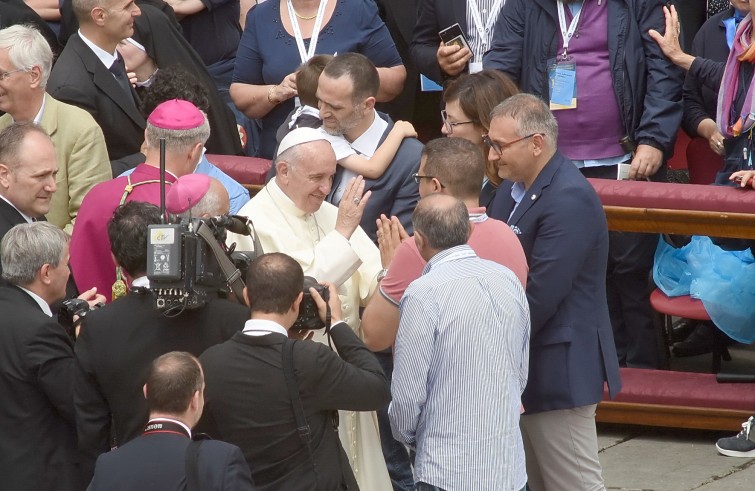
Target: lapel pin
(533,197)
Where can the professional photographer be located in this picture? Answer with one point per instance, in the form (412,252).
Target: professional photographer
(119,342)
(275,394)
(37,432)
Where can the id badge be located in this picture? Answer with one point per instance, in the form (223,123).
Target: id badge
(562,81)
(475,67)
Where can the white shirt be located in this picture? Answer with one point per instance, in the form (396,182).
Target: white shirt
(106,58)
(183,425)
(366,145)
(42,304)
(262,327)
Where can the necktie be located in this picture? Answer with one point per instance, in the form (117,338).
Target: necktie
(118,69)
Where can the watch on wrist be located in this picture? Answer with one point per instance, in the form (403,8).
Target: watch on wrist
(383,272)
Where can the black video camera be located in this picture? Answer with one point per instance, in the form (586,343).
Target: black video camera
(188,262)
(309,318)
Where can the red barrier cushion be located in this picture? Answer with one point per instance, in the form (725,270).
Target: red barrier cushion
(696,197)
(245,170)
(682,389)
(684,306)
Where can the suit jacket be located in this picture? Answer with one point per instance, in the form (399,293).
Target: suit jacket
(255,412)
(157,462)
(432,17)
(37,435)
(114,350)
(394,193)
(80,78)
(82,157)
(562,228)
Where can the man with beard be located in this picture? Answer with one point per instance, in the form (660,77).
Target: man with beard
(347,90)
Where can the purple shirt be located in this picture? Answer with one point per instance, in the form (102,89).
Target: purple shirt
(594,128)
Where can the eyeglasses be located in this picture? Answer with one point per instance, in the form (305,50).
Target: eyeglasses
(416,176)
(500,147)
(5,75)
(450,125)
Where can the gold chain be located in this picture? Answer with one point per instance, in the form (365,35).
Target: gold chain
(302,17)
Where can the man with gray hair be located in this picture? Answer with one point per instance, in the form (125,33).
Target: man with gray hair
(185,130)
(197,196)
(291,216)
(37,426)
(26,60)
(561,225)
(462,309)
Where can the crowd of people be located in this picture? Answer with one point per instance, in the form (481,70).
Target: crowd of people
(472,304)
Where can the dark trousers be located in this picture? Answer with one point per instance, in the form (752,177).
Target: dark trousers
(628,288)
(395,453)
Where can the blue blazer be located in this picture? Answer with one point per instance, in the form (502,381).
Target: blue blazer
(562,228)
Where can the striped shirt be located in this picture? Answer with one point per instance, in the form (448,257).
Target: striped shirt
(485,8)
(460,367)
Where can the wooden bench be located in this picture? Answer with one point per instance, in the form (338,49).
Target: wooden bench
(666,398)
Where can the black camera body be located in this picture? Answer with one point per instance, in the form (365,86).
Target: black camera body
(309,318)
(72,308)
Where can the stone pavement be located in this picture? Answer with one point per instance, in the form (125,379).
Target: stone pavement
(637,458)
(657,459)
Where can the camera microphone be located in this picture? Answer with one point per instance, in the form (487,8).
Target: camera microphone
(233,223)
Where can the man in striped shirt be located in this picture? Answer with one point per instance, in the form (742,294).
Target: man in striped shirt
(461,360)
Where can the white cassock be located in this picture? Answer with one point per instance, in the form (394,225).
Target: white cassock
(352,265)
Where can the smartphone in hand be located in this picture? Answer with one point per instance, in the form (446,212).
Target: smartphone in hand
(454,35)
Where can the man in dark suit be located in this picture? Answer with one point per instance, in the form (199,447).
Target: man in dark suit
(37,427)
(91,75)
(118,342)
(437,61)
(347,90)
(261,412)
(560,223)
(25,151)
(157,460)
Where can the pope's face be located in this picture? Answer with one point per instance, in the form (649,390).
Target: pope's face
(308,182)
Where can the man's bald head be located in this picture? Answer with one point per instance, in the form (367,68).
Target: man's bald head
(442,221)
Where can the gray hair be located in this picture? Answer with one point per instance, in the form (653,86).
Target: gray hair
(28,247)
(531,114)
(177,140)
(442,220)
(208,205)
(27,48)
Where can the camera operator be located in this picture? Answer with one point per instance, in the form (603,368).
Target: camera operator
(37,428)
(118,342)
(252,402)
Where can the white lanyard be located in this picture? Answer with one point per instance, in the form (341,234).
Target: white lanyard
(483,33)
(566,34)
(306,55)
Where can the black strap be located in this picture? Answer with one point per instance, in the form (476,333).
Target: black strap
(302,427)
(192,466)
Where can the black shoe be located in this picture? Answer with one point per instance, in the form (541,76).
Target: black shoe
(740,445)
(682,328)
(704,339)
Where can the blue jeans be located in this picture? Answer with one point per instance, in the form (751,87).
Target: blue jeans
(395,453)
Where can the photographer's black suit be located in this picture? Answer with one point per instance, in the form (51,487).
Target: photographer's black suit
(247,404)
(157,462)
(114,350)
(37,429)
